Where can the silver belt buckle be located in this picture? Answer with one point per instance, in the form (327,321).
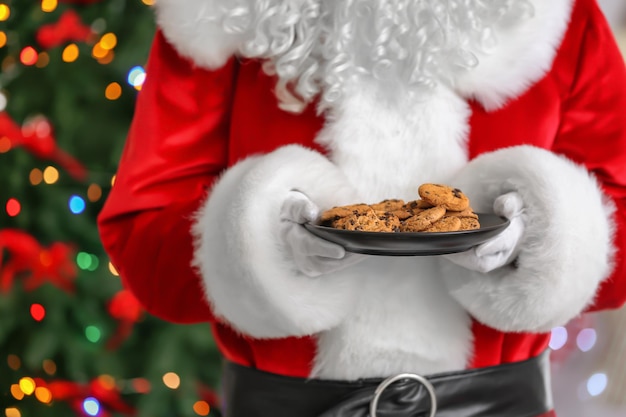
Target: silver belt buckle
(383,386)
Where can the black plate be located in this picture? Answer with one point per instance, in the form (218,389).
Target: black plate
(412,243)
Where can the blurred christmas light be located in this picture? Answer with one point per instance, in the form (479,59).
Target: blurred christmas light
(17,392)
(3,39)
(596,384)
(3,101)
(14,362)
(8,64)
(113,180)
(27,385)
(91,406)
(202,408)
(12,412)
(171,380)
(49,5)
(141,385)
(136,77)
(93,334)
(107,59)
(43,394)
(29,56)
(558,338)
(38,312)
(94,193)
(107,382)
(83,260)
(5,144)
(113,270)
(43,60)
(36,176)
(5,12)
(108,41)
(70,53)
(50,175)
(98,51)
(113,91)
(76,204)
(148,2)
(49,367)
(94,264)
(586,339)
(13,207)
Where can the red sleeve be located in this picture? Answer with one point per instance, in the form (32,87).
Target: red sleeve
(176,146)
(593,132)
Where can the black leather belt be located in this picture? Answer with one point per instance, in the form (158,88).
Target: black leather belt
(520,389)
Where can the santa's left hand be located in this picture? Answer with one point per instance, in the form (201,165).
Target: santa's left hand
(502,249)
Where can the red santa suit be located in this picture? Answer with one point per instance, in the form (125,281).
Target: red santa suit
(191,222)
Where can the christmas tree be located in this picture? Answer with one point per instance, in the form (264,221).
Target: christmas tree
(73,342)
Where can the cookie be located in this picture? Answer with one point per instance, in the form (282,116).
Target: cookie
(445,224)
(468,212)
(331,215)
(388,205)
(443,195)
(368,222)
(422,220)
(469,223)
(391,221)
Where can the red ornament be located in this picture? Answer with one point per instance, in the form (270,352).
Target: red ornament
(36,264)
(36,137)
(68,28)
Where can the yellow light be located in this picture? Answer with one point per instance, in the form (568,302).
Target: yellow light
(43,60)
(107,59)
(98,51)
(3,39)
(12,412)
(17,392)
(5,12)
(48,5)
(49,367)
(27,385)
(148,2)
(43,394)
(113,91)
(107,382)
(113,180)
(14,362)
(171,380)
(70,53)
(5,144)
(108,41)
(113,270)
(202,408)
(50,175)
(35,176)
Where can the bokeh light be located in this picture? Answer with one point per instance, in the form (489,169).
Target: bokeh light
(148,2)
(136,77)
(17,392)
(5,144)
(29,56)
(558,338)
(50,175)
(70,53)
(49,5)
(113,270)
(36,176)
(202,408)
(43,60)
(12,412)
(14,362)
(38,312)
(3,39)
(43,394)
(91,406)
(27,385)
(5,12)
(76,204)
(49,367)
(171,380)
(13,207)
(93,334)
(586,339)
(113,91)
(596,384)
(108,41)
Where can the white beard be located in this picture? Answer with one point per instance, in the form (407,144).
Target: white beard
(317,47)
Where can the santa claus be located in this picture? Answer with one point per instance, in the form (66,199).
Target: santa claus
(257,115)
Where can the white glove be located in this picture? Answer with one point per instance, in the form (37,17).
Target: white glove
(502,249)
(312,255)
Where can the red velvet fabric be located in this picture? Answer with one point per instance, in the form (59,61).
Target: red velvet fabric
(191,124)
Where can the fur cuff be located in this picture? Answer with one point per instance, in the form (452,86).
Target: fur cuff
(249,279)
(566,250)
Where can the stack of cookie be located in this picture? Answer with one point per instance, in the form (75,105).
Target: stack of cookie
(441,208)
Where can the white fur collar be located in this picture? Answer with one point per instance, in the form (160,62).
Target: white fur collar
(523,54)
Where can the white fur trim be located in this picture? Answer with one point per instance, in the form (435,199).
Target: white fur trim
(523,55)
(566,250)
(248,277)
(192,28)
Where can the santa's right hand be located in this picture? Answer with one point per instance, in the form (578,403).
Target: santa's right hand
(312,255)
